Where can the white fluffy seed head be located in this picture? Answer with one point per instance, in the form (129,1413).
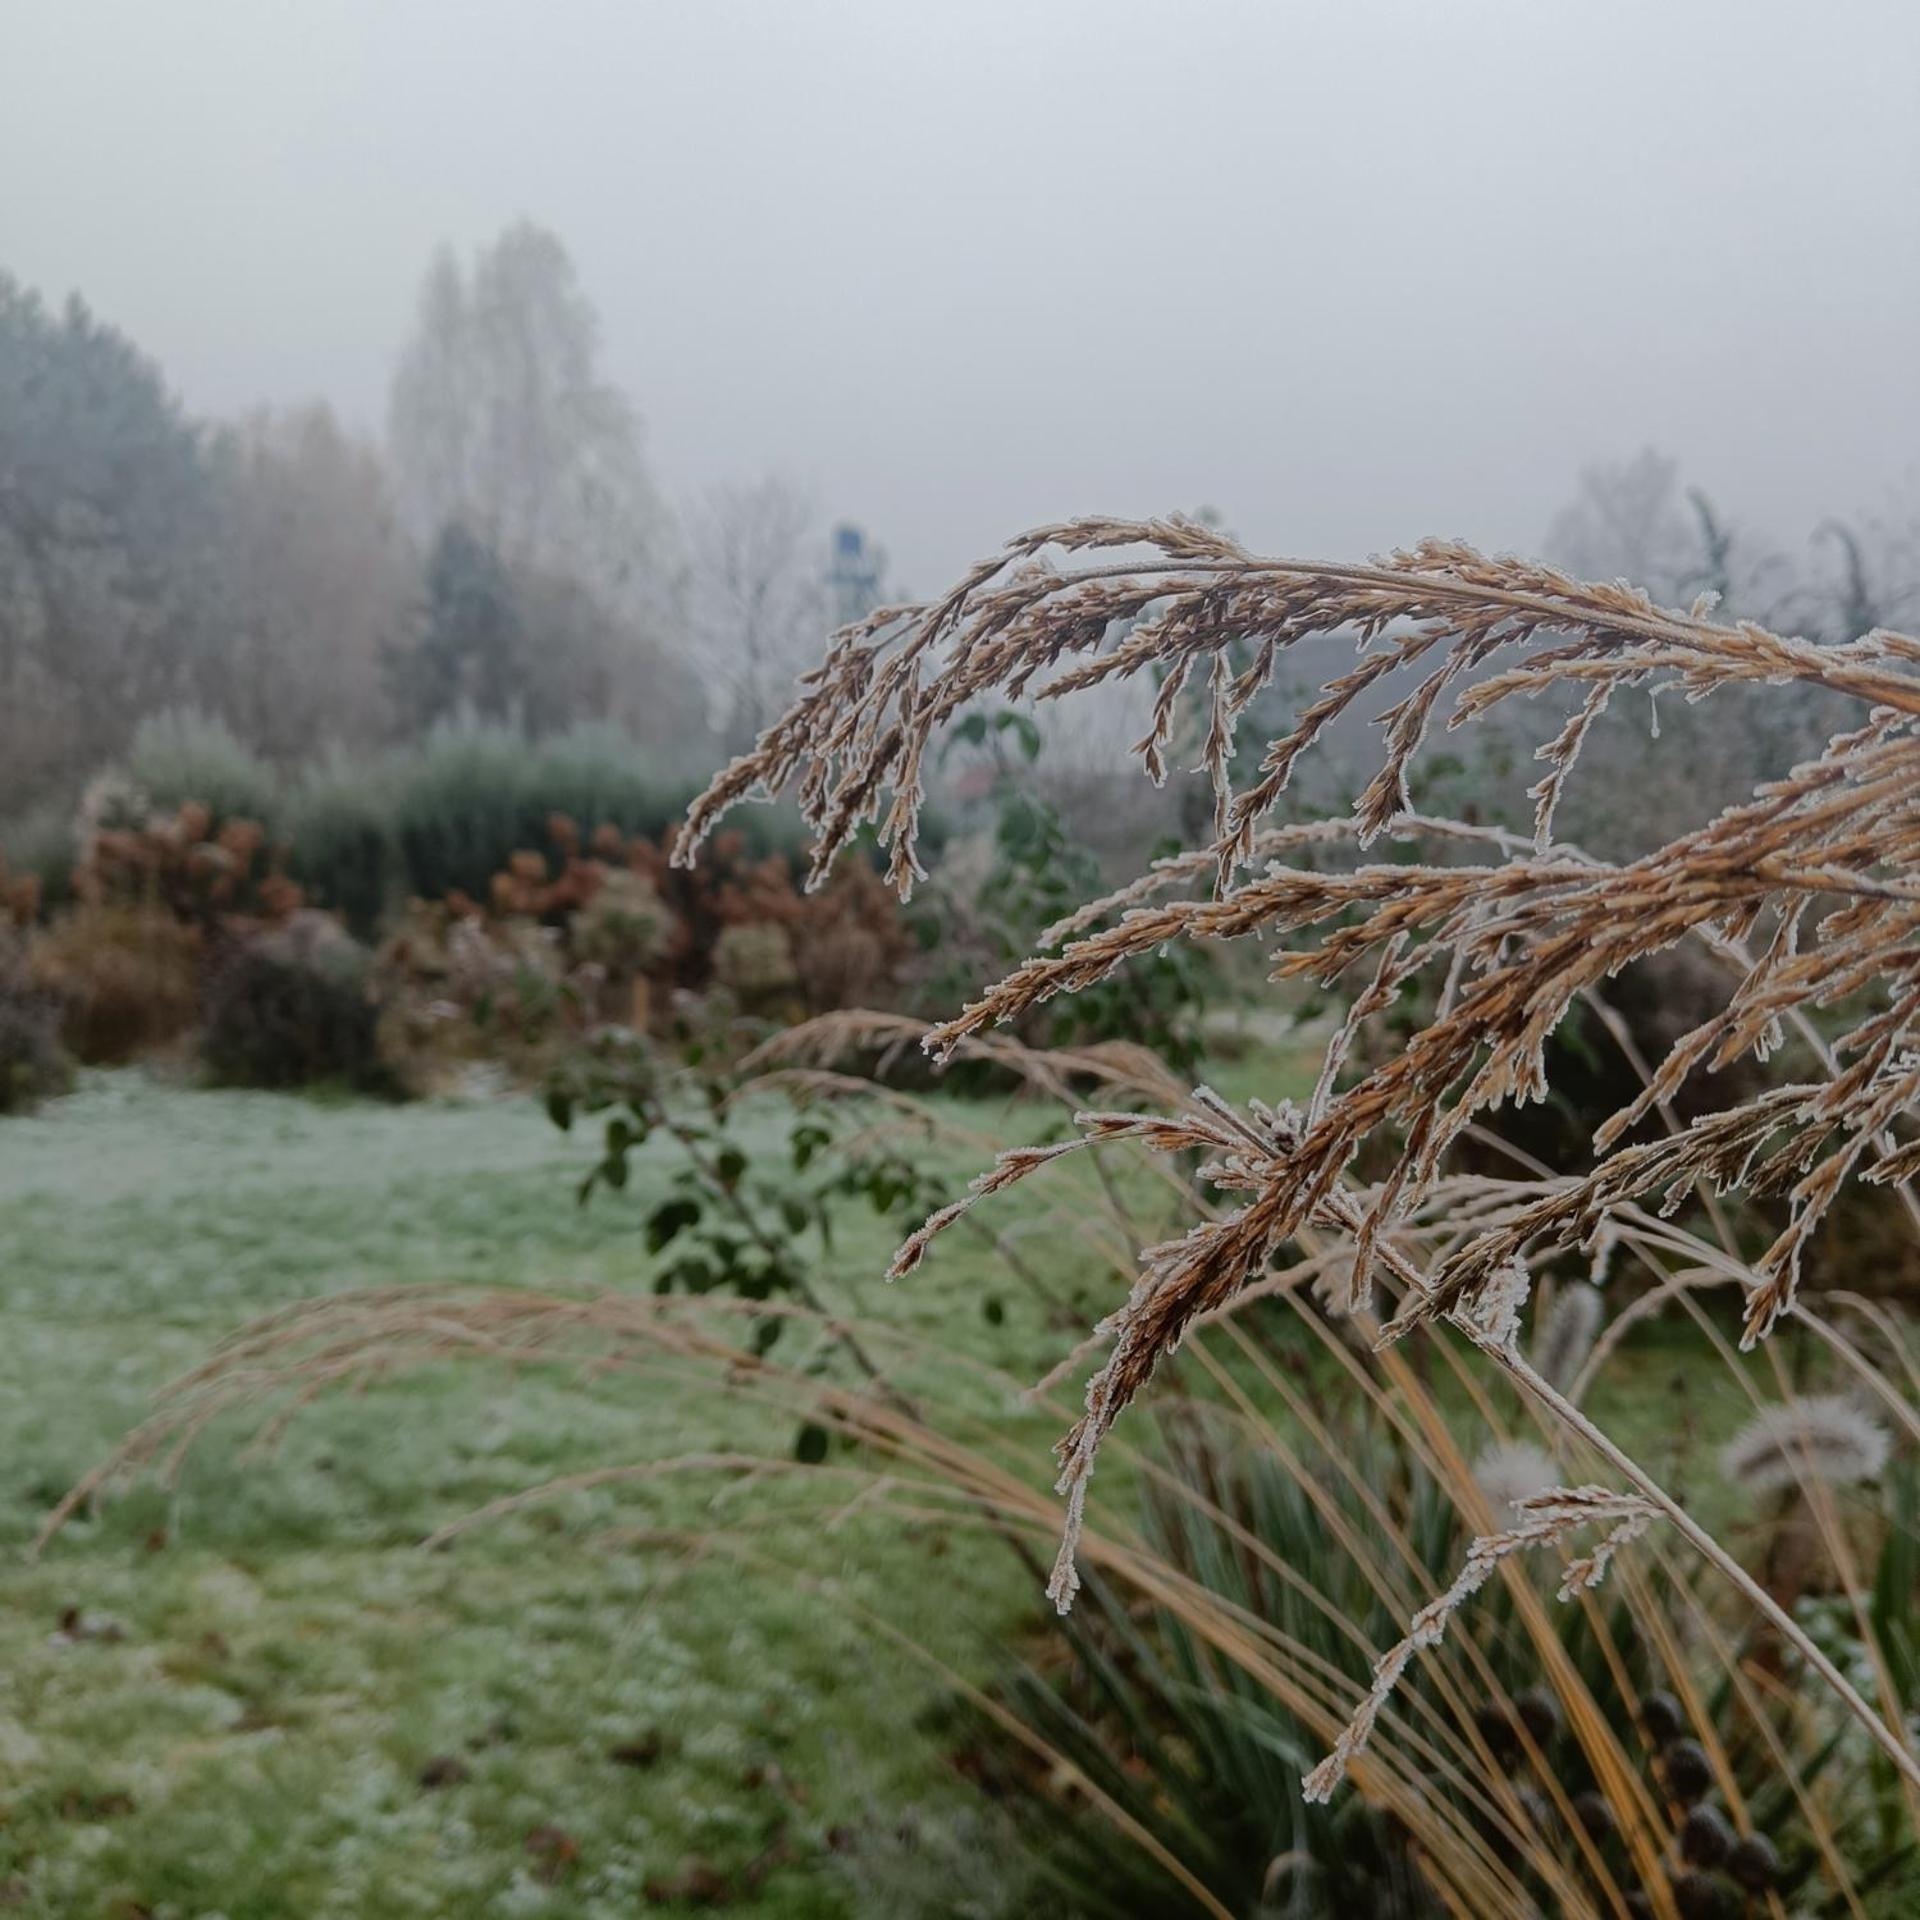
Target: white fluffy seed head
(1510,1471)
(1820,1435)
(1566,1337)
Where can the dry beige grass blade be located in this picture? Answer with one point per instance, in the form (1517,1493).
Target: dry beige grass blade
(830,1039)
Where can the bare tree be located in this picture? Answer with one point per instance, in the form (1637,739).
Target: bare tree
(500,419)
(1628,521)
(318,580)
(760,604)
(1634,520)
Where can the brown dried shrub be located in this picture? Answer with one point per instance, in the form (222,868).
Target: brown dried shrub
(622,908)
(126,978)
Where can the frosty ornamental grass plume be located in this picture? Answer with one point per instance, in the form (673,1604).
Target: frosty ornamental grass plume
(1810,890)
(1546,1519)
(1819,1436)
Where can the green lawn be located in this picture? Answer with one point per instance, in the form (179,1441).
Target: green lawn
(267,1702)
(267,1665)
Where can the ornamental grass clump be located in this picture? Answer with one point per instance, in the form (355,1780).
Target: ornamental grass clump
(1808,893)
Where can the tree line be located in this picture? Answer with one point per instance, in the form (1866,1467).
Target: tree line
(504,554)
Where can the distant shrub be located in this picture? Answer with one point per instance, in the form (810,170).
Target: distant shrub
(179,756)
(340,839)
(456,986)
(40,846)
(474,793)
(19,897)
(754,960)
(124,976)
(291,1008)
(851,942)
(607,931)
(33,1064)
(597,777)
(198,872)
(621,935)
(624,927)
(458,807)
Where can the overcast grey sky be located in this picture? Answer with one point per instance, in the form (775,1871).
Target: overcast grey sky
(1350,272)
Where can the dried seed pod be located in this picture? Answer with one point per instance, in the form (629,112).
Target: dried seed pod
(1534,1805)
(1509,1471)
(1687,1770)
(1705,1837)
(1561,1347)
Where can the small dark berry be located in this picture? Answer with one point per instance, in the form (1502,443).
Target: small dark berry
(1754,1863)
(1661,1716)
(1495,1726)
(1705,1837)
(1593,1813)
(1698,1896)
(1539,1713)
(1688,1774)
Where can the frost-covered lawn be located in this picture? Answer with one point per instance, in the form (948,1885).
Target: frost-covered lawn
(269,1702)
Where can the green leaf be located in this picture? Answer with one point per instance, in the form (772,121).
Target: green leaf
(668,1219)
(1022,727)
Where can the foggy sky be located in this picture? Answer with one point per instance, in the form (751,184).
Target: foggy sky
(1349,272)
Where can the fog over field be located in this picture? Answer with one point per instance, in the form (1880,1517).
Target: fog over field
(957,268)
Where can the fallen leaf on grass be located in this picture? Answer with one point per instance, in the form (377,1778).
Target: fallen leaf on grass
(555,1851)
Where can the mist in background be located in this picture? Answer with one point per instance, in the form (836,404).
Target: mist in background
(1348,274)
